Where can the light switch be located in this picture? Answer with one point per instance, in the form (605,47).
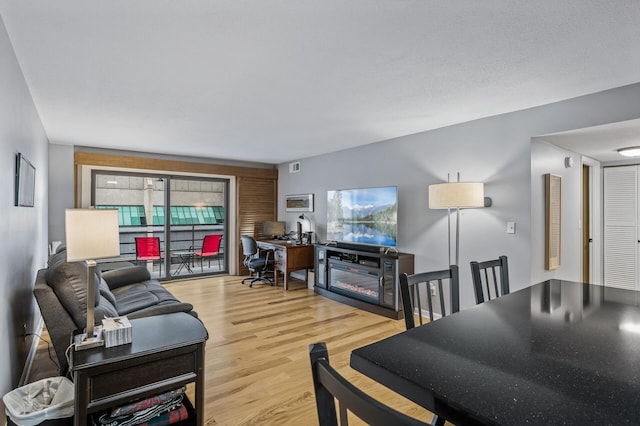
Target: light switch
(511,227)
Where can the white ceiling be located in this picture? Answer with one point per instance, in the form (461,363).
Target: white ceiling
(599,142)
(274,81)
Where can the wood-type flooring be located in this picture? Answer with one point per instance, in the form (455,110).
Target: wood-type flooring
(257,365)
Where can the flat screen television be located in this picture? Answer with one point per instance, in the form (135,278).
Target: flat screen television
(365,215)
(272,228)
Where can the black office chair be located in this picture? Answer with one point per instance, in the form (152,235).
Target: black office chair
(495,284)
(410,288)
(255,261)
(329,384)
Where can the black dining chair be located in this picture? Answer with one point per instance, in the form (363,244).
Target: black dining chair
(329,385)
(418,287)
(255,261)
(490,279)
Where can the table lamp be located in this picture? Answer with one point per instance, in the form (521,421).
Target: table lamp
(300,221)
(91,234)
(456,195)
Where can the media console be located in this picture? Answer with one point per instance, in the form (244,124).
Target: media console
(362,276)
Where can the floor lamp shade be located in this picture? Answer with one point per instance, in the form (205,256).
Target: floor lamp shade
(91,234)
(456,195)
(452,195)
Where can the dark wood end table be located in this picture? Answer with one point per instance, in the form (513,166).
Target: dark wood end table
(166,353)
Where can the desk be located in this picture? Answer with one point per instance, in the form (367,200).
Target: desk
(288,257)
(167,352)
(558,352)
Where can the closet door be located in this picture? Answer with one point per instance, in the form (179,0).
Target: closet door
(621,227)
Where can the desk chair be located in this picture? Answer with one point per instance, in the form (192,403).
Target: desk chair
(256,263)
(490,281)
(210,248)
(148,248)
(412,296)
(329,384)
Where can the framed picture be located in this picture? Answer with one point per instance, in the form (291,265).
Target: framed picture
(25,185)
(299,203)
(552,221)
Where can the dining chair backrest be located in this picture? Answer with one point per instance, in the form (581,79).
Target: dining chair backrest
(490,279)
(329,385)
(426,285)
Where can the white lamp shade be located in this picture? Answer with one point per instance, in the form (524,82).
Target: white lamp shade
(461,195)
(91,234)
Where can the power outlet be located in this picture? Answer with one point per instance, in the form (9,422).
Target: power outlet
(434,291)
(511,227)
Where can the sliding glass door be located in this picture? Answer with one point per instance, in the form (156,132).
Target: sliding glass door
(198,226)
(174,225)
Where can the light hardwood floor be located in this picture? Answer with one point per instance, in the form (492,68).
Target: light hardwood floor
(257,365)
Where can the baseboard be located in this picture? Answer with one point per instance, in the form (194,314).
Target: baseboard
(425,314)
(26,371)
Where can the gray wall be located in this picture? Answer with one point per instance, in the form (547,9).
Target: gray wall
(60,188)
(23,248)
(494,150)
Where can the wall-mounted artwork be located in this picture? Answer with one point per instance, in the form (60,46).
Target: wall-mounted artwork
(25,182)
(552,221)
(299,203)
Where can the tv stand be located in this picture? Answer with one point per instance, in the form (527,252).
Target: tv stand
(354,247)
(362,276)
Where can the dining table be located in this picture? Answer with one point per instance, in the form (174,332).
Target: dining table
(554,353)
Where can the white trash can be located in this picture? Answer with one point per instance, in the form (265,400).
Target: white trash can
(46,402)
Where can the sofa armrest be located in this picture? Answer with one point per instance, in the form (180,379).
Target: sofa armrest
(59,323)
(124,276)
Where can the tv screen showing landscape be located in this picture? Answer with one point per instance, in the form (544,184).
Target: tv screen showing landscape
(366,215)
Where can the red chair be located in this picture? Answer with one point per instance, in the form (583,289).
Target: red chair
(148,248)
(210,248)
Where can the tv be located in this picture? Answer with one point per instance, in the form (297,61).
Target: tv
(366,215)
(273,228)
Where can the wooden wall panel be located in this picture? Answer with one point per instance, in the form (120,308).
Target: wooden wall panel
(257,202)
(96,159)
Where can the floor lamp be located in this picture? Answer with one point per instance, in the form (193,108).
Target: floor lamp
(456,195)
(91,234)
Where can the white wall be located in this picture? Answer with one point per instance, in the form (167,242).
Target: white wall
(495,150)
(23,248)
(547,158)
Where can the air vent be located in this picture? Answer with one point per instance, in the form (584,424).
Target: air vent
(294,167)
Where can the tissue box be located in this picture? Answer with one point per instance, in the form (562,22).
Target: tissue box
(116,331)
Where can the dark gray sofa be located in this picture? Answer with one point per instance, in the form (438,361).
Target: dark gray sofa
(61,293)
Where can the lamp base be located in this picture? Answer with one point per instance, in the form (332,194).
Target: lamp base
(81,342)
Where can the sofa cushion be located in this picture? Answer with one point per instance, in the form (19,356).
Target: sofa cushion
(124,276)
(57,258)
(69,282)
(145,295)
(104,309)
(105,292)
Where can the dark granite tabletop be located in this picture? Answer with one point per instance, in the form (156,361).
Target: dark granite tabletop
(556,353)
